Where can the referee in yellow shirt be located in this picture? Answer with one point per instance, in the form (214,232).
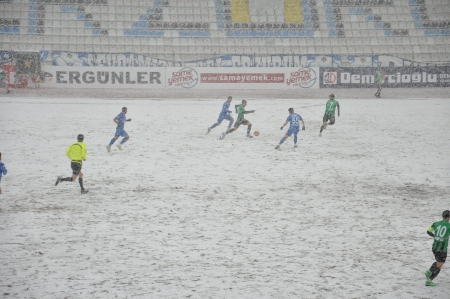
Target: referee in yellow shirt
(77,154)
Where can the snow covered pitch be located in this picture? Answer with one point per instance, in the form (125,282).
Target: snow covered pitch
(181,214)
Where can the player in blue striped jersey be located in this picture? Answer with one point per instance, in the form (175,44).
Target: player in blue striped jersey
(294,120)
(120,131)
(3,171)
(224,114)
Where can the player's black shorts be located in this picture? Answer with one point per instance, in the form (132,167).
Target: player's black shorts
(330,118)
(76,167)
(240,122)
(440,256)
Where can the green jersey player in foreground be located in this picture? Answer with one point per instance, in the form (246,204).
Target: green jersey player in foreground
(440,231)
(240,110)
(329,113)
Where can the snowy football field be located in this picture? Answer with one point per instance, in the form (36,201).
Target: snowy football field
(181,214)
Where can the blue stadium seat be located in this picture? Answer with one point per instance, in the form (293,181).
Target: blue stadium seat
(353,24)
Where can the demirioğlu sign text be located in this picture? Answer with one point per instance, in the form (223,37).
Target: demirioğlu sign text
(365,77)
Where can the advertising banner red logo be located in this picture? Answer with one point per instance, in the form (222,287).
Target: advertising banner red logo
(304,78)
(330,78)
(242,78)
(186,77)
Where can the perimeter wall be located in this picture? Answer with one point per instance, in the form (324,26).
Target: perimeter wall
(230,78)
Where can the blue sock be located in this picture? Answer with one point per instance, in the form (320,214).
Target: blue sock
(213,126)
(230,124)
(112,142)
(124,140)
(295,139)
(282,140)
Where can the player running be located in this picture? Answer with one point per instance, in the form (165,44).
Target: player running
(379,78)
(294,127)
(3,79)
(440,246)
(77,154)
(3,171)
(120,132)
(224,114)
(330,113)
(240,110)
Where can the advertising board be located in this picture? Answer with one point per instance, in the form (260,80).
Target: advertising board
(179,78)
(393,77)
(103,77)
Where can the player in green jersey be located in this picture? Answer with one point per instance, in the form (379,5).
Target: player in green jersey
(440,231)
(379,78)
(329,113)
(240,110)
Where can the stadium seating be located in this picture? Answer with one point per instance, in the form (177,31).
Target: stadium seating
(188,30)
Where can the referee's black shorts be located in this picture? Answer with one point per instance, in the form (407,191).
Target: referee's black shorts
(440,256)
(76,167)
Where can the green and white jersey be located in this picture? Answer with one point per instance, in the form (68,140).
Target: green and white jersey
(331,107)
(441,230)
(240,111)
(379,77)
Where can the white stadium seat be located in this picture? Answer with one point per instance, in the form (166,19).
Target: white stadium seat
(207,26)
